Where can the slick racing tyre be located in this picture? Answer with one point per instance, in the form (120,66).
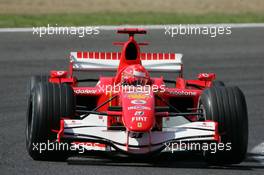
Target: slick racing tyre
(36,79)
(48,102)
(227,106)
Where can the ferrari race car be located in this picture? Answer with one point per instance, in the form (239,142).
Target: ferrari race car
(131,112)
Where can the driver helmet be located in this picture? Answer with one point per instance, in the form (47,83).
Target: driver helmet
(135,75)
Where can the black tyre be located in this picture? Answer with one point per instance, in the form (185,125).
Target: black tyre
(48,102)
(227,106)
(35,80)
(217,83)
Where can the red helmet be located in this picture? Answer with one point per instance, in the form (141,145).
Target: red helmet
(135,75)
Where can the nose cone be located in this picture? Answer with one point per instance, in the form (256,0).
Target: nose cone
(138,111)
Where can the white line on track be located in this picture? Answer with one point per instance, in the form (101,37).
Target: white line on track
(258,152)
(246,25)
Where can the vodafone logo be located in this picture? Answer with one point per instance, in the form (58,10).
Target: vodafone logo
(84,91)
(138,102)
(183,93)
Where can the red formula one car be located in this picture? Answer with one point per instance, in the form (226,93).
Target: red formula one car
(133,113)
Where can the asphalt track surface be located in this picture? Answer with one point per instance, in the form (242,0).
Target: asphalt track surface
(237,59)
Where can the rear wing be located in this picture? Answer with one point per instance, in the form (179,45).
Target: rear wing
(109,61)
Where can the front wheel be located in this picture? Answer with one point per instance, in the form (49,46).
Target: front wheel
(227,106)
(48,102)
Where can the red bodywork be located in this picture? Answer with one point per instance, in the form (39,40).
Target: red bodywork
(138,109)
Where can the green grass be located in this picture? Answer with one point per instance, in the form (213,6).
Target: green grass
(124,18)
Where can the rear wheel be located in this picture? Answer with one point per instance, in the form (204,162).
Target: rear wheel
(227,106)
(48,102)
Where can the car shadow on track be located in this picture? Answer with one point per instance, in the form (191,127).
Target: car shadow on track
(176,160)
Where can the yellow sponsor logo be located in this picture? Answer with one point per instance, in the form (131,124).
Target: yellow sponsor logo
(139,125)
(137,96)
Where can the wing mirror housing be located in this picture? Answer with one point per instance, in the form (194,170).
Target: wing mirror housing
(206,76)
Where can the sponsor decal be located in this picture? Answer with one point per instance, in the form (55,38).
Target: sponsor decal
(139,119)
(72,122)
(60,72)
(209,125)
(137,96)
(85,91)
(138,108)
(138,102)
(183,93)
(139,113)
(205,75)
(139,125)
